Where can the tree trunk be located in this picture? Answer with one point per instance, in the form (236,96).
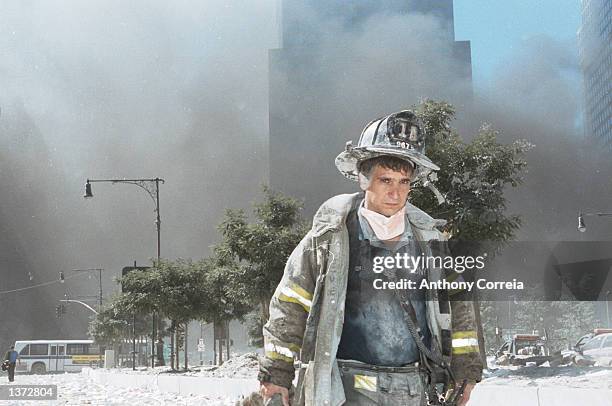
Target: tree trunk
(228,343)
(178,345)
(185,346)
(481,341)
(214,344)
(172,331)
(265,309)
(160,350)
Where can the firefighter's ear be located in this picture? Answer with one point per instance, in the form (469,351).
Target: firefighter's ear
(364,183)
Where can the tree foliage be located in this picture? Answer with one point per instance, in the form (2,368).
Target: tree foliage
(472,177)
(252,255)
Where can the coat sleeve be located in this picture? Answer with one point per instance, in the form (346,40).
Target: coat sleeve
(289,309)
(465,360)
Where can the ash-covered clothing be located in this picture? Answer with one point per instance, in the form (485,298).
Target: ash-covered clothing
(364,386)
(375,331)
(308,306)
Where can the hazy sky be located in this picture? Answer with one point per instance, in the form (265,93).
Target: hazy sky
(497,27)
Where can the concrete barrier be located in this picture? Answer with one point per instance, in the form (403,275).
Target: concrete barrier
(183,385)
(509,395)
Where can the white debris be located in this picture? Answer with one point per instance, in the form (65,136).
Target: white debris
(242,366)
(80,389)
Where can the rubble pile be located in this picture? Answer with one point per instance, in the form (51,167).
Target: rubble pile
(241,366)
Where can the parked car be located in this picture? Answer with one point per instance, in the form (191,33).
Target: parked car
(524,348)
(598,348)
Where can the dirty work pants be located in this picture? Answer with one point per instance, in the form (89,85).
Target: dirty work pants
(367,385)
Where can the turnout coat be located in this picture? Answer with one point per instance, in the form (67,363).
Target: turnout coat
(307,309)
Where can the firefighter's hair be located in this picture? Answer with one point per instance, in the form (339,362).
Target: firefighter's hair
(387,162)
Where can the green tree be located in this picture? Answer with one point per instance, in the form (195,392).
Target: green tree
(252,256)
(473,177)
(172,289)
(113,324)
(108,327)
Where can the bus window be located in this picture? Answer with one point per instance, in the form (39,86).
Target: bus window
(39,349)
(25,350)
(53,350)
(77,349)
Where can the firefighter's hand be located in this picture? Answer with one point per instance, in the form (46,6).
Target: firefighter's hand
(267,390)
(466,394)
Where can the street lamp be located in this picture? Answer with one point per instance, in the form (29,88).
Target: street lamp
(151,186)
(582,229)
(582,224)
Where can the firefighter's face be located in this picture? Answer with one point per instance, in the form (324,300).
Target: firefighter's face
(387,191)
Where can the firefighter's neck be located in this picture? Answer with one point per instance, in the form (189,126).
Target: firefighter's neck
(386,228)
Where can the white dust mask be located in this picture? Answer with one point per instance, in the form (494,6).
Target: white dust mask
(385,227)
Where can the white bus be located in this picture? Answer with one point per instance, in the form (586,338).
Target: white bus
(41,356)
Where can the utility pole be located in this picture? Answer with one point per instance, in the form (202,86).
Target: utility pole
(151,186)
(608,308)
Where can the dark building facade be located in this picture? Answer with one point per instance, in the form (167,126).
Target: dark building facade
(595,44)
(342,64)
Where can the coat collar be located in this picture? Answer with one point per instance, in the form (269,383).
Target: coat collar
(332,215)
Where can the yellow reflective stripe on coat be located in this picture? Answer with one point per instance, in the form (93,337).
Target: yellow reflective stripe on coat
(283,352)
(365,382)
(296,294)
(465,342)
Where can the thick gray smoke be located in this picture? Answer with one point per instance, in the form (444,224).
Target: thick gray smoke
(537,95)
(113,89)
(116,90)
(340,68)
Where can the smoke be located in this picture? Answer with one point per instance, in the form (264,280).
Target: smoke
(537,95)
(337,70)
(111,89)
(116,90)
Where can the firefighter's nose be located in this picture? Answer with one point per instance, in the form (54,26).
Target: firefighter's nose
(394,194)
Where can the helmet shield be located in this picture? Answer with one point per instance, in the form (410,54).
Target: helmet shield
(400,134)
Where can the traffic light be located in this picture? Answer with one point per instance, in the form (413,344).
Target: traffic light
(60,310)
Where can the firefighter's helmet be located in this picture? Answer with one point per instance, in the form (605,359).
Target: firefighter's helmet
(399,134)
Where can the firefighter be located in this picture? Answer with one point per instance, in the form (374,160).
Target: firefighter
(350,342)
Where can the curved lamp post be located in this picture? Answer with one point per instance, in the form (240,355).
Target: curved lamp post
(151,186)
